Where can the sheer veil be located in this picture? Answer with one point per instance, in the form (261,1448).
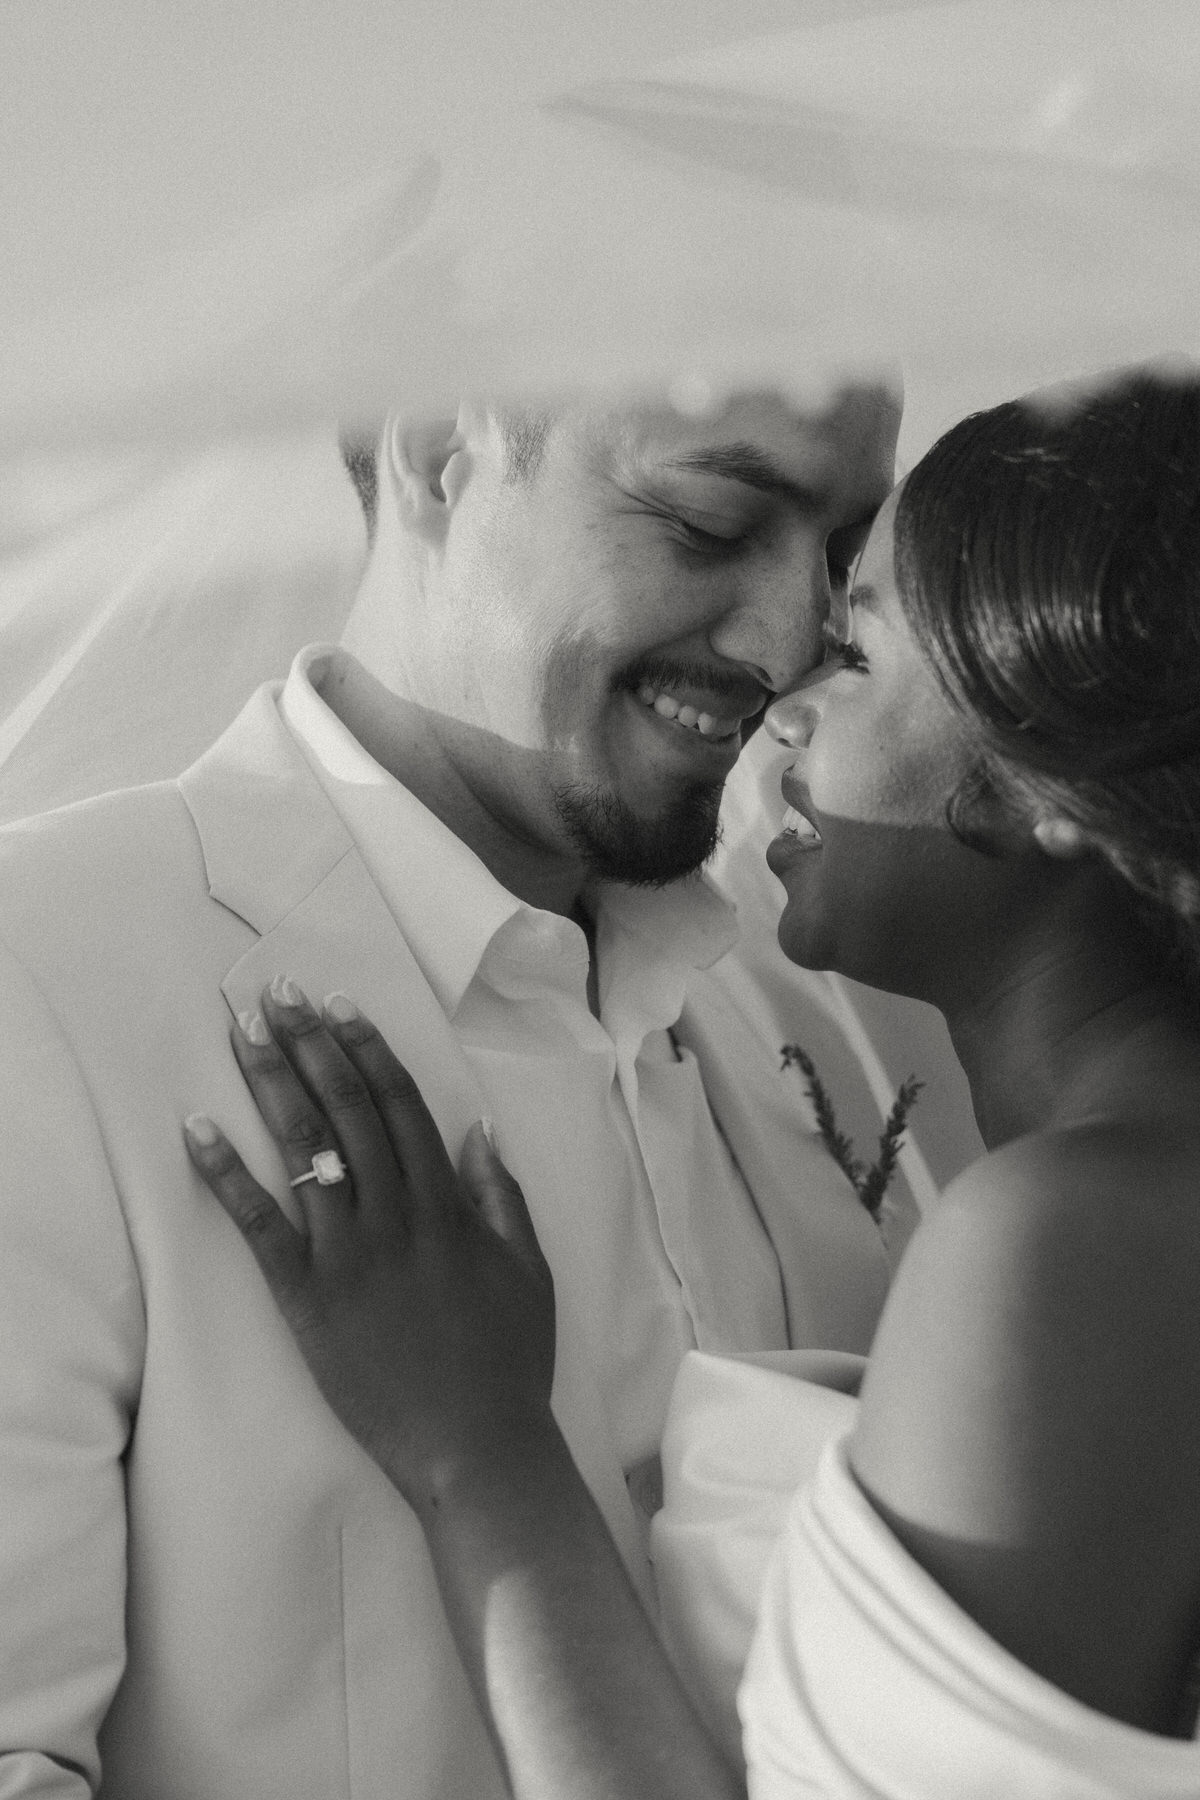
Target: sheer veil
(296,224)
(144,618)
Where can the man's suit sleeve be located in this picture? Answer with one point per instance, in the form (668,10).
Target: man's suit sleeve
(72,1331)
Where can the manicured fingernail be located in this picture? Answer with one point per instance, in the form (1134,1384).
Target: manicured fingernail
(488,1127)
(253,1028)
(341,1008)
(286,992)
(201,1130)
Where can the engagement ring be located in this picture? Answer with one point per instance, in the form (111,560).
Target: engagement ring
(327,1169)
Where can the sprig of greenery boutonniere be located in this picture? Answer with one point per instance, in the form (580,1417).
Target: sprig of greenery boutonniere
(868,1181)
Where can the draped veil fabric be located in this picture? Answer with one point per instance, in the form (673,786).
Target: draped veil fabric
(666,199)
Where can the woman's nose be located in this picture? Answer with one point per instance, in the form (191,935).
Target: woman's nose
(793,718)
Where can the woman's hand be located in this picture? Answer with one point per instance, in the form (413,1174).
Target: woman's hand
(425,1310)
(419,1298)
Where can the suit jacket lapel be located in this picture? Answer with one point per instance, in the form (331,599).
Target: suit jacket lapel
(279,856)
(831,1255)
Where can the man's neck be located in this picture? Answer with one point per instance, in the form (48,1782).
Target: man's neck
(400,735)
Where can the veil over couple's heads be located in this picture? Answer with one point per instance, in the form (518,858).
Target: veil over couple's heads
(1027,626)
(590,609)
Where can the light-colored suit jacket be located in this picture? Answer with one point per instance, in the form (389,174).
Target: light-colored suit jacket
(205,1586)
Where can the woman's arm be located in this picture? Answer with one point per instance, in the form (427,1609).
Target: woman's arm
(423,1306)
(580,1696)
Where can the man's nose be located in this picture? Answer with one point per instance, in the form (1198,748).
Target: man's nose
(774,628)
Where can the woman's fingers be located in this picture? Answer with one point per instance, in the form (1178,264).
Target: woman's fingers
(431,1344)
(314,1102)
(329,1087)
(297,1124)
(497,1196)
(412,1133)
(280,1250)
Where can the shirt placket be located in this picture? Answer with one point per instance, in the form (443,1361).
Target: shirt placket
(639,1035)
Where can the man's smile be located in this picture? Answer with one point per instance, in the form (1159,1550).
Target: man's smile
(668,706)
(713,704)
(710,754)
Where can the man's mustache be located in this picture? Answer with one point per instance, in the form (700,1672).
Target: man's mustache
(662,672)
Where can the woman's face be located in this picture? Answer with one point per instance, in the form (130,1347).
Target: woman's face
(881,889)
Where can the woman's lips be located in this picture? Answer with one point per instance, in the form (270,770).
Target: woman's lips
(800,817)
(799,835)
(797,825)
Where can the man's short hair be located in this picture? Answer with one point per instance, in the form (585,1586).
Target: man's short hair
(524,432)
(359,454)
(523,429)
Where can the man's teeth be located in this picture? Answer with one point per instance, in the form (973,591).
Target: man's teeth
(667,707)
(796,825)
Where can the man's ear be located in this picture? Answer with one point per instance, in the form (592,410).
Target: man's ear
(426,465)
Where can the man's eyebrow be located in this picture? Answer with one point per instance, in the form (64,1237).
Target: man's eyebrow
(753,468)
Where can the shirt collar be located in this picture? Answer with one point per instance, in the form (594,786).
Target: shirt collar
(650,941)
(448,904)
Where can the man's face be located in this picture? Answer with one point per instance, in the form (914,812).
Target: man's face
(597,641)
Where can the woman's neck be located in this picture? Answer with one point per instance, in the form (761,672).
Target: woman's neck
(1081,1025)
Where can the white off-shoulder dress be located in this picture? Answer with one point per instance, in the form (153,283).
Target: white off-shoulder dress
(787,1600)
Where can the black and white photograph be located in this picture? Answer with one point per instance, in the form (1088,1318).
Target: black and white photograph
(600,900)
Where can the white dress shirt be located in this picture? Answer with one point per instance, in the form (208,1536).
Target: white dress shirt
(608,1108)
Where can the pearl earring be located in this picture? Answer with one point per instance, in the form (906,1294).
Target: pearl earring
(1060,837)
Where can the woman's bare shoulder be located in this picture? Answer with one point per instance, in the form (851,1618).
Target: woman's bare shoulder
(1060,1225)
(1030,1421)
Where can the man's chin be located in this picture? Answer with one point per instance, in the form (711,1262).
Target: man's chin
(619,844)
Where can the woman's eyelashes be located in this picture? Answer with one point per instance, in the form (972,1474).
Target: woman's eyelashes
(844,651)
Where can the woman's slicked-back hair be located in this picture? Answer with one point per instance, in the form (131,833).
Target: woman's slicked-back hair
(1048,560)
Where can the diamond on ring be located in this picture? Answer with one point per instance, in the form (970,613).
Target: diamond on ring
(327,1170)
